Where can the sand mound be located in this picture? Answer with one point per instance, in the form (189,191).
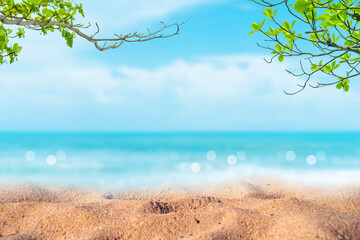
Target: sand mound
(246,211)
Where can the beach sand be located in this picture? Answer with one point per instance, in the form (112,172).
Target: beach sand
(247,210)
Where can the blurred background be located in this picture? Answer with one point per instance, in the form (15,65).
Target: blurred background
(134,160)
(202,107)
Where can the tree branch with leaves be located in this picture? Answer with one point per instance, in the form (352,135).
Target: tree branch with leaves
(325,34)
(59,15)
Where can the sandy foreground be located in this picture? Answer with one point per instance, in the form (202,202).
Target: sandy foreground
(248,210)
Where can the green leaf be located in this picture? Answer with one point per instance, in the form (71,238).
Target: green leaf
(355,59)
(20,33)
(339,85)
(286,25)
(269,13)
(74,12)
(343,26)
(333,65)
(70,42)
(347,43)
(293,24)
(327,68)
(47,12)
(302,6)
(313,36)
(324,17)
(289,36)
(255,26)
(61,12)
(17,48)
(281,58)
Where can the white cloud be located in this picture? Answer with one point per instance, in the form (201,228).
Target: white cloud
(236,92)
(215,79)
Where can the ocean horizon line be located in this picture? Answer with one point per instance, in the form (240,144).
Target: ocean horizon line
(180,132)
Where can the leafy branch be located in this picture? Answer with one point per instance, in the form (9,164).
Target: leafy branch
(59,15)
(325,34)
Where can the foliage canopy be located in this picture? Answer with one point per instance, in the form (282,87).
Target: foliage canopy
(56,15)
(324,33)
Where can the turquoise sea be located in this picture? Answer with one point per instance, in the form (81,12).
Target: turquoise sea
(132,160)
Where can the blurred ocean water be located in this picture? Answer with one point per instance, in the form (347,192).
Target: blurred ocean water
(131,160)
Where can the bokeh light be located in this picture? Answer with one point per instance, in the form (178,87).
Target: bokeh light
(241,155)
(311,160)
(231,160)
(320,155)
(51,160)
(290,156)
(61,155)
(211,155)
(30,156)
(195,167)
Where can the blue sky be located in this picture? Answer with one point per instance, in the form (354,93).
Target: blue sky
(211,77)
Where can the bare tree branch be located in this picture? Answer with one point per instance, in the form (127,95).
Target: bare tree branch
(117,42)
